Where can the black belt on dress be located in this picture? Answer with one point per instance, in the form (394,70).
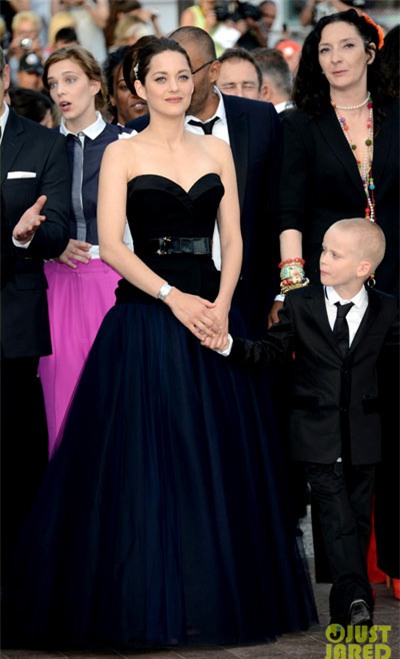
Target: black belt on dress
(175,245)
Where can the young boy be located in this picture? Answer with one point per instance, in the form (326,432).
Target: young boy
(333,398)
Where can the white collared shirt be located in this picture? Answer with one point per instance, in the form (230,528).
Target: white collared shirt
(220,128)
(91,131)
(356,313)
(284,105)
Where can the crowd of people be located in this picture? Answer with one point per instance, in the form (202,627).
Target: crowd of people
(200,332)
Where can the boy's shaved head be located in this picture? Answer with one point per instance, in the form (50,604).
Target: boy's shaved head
(369,239)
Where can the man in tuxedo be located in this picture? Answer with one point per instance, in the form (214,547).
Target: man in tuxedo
(35,200)
(252,129)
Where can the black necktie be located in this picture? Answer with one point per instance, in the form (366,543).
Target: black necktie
(207,127)
(341,328)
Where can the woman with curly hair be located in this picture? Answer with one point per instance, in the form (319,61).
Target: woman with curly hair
(340,152)
(341,159)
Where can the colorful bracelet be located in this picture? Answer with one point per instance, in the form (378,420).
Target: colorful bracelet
(288,261)
(285,288)
(292,275)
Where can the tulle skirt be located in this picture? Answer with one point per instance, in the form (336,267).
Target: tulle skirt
(163,518)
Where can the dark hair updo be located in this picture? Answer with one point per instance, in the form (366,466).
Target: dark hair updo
(311,91)
(137,60)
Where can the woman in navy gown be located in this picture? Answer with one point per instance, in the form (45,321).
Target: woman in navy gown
(163,517)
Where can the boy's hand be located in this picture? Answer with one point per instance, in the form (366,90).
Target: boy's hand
(219,343)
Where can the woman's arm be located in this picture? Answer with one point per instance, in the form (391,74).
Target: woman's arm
(294,202)
(229,228)
(194,312)
(231,242)
(99,11)
(189,18)
(291,244)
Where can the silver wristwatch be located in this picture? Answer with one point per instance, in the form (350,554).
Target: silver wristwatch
(164,291)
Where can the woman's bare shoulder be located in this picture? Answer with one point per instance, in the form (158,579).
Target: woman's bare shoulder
(214,144)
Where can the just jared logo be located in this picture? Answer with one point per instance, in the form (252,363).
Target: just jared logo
(358,642)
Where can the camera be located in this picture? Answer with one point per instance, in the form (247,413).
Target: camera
(222,12)
(241,11)
(26,43)
(247,10)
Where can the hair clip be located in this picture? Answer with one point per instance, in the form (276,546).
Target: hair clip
(136,70)
(381,34)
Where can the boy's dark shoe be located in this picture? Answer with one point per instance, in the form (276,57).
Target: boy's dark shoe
(359,614)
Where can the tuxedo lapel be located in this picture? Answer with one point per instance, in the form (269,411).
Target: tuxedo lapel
(337,143)
(369,318)
(320,318)
(382,149)
(11,144)
(238,130)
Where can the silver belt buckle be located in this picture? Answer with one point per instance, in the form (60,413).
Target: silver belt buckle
(163,249)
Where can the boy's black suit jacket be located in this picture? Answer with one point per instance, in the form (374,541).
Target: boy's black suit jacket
(327,390)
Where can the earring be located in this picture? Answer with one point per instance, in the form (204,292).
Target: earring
(371,281)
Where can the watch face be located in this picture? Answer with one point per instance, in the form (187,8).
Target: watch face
(163,292)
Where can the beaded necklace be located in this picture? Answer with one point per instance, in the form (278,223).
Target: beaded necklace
(364,165)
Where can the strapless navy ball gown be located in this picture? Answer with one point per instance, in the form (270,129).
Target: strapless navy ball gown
(163,516)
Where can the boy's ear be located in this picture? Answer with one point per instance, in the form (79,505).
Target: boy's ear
(364,268)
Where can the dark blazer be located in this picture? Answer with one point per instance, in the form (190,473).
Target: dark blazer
(93,151)
(321,184)
(255,139)
(316,395)
(29,149)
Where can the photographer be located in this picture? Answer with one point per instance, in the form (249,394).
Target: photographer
(30,72)
(201,14)
(248,22)
(26,27)
(216,18)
